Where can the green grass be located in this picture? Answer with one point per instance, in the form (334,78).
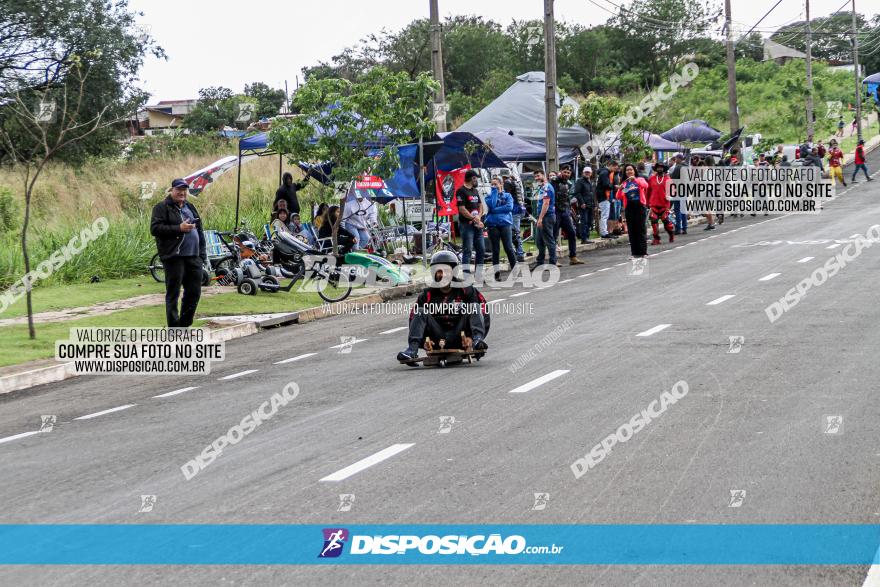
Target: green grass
(16,347)
(64,296)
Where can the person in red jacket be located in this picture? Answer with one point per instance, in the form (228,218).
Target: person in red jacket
(860,162)
(633,192)
(658,200)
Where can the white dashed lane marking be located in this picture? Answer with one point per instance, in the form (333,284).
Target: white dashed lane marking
(720,300)
(307,355)
(345,344)
(654,330)
(17,436)
(368,462)
(522,293)
(539,381)
(101,413)
(833,246)
(806,259)
(175,392)
(393,330)
(237,375)
(770,276)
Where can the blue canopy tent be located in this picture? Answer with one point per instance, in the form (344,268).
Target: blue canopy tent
(514,149)
(457,149)
(872,83)
(692,131)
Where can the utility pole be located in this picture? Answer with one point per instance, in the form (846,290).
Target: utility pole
(731,71)
(550,86)
(437,67)
(809,40)
(855,44)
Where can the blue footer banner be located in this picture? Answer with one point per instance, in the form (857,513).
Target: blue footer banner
(269,544)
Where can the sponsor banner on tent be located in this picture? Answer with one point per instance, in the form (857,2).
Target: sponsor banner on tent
(447,184)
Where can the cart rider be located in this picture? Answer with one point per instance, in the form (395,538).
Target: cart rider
(446,315)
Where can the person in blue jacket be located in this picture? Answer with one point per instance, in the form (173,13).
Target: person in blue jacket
(499,223)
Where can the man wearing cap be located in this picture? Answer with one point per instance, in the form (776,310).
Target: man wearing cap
(176,225)
(860,162)
(584,193)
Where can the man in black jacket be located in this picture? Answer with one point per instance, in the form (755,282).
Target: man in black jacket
(287,192)
(585,193)
(181,243)
(564,221)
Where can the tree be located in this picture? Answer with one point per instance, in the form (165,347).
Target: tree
(600,115)
(52,119)
(660,32)
(67,79)
(831,41)
(751,47)
(269,101)
(38,43)
(340,121)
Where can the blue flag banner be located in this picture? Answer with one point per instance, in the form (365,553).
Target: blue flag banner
(160,544)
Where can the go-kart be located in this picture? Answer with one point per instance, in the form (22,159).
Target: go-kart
(440,356)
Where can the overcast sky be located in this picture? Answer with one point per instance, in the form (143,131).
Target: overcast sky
(225,43)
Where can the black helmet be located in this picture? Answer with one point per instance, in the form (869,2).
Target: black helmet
(444,258)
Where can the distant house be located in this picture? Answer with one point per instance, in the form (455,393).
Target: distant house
(162,117)
(780,53)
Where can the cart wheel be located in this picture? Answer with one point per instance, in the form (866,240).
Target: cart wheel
(272,282)
(237,276)
(157,270)
(248,287)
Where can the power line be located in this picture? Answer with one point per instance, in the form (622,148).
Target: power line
(778,2)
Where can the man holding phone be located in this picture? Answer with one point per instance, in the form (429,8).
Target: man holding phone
(181,243)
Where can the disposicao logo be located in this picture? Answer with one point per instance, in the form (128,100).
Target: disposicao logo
(334,540)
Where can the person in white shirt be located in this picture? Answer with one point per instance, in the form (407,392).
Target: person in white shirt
(359,215)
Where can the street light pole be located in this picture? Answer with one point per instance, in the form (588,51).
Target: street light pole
(731,70)
(437,67)
(550,86)
(809,40)
(855,43)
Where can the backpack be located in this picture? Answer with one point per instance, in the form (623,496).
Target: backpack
(631,192)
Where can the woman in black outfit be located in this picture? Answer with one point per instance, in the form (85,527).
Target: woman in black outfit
(345,239)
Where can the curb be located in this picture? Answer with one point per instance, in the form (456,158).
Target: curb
(62,371)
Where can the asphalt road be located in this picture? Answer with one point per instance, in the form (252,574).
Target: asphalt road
(753,420)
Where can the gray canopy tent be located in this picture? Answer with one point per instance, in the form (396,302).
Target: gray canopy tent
(521,109)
